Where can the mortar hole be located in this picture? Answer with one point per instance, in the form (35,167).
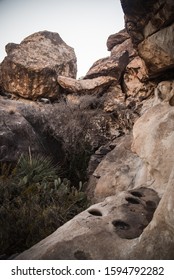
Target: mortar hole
(95,212)
(132,200)
(151,204)
(138,194)
(118,224)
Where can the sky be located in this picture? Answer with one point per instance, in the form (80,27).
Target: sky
(84,25)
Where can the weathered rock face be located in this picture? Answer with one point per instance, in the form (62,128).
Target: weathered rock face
(125,46)
(117,39)
(158,50)
(150,25)
(30,69)
(88,86)
(153,141)
(135,82)
(117,221)
(112,66)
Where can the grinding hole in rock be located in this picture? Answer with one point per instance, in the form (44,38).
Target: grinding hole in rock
(120,225)
(137,194)
(151,205)
(133,217)
(95,212)
(132,200)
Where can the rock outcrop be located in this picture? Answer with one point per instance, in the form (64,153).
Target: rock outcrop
(30,69)
(150,26)
(124,108)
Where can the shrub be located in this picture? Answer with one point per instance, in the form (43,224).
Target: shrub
(34,202)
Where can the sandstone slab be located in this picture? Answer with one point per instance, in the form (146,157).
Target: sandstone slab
(87,86)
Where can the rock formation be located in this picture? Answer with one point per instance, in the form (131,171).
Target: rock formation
(150,26)
(30,69)
(123,107)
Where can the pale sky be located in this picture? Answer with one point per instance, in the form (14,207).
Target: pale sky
(83,24)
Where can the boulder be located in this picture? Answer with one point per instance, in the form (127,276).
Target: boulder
(118,221)
(117,39)
(113,66)
(30,68)
(158,51)
(120,170)
(125,46)
(21,131)
(153,142)
(88,86)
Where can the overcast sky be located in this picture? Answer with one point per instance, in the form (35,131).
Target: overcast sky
(83,24)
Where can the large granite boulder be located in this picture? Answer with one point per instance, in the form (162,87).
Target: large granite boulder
(150,25)
(30,68)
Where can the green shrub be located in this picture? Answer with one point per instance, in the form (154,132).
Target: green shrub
(34,202)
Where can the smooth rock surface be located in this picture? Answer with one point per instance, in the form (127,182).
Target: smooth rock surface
(30,69)
(153,142)
(120,170)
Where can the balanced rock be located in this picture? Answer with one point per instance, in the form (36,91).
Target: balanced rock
(30,69)
(88,86)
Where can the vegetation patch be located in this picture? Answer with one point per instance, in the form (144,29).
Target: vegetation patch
(34,202)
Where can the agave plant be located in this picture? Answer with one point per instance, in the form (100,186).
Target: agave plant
(35,169)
